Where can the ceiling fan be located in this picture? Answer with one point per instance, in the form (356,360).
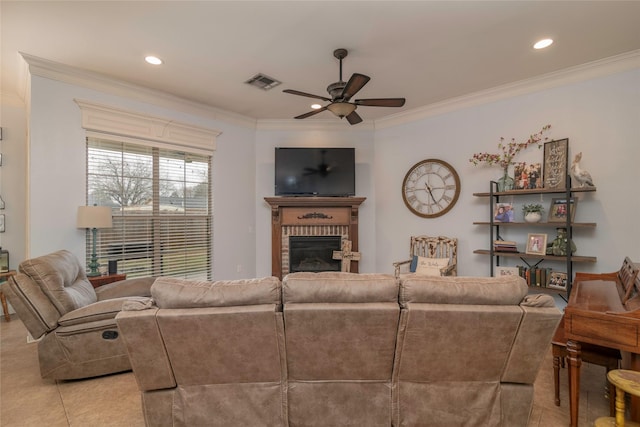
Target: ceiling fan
(341,94)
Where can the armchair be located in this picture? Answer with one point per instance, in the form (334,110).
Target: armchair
(438,248)
(74,324)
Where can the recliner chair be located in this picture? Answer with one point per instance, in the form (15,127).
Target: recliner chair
(74,324)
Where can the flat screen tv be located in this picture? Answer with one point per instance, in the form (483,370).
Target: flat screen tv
(304,171)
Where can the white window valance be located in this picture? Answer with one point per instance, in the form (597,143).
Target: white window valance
(115,121)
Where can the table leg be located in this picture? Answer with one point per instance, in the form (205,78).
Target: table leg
(635,401)
(5,307)
(575,361)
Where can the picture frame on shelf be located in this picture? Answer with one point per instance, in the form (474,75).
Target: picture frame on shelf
(503,212)
(536,244)
(506,271)
(556,164)
(557,280)
(558,209)
(520,176)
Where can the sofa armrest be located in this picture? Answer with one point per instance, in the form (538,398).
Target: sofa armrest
(139,287)
(146,349)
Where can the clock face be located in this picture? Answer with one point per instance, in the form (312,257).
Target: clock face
(431,188)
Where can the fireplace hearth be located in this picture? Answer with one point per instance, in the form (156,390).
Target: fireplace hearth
(313,253)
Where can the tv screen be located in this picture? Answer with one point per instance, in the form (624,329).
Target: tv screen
(315,171)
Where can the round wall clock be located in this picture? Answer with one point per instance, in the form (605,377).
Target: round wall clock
(431,188)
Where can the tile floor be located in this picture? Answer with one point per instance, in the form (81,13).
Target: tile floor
(113,400)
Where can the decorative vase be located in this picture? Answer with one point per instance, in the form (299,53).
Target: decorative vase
(506,182)
(533,217)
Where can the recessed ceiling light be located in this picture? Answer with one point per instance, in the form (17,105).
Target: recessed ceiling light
(543,43)
(316,106)
(153,60)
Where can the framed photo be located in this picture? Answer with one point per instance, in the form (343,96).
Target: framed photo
(2,223)
(556,162)
(557,281)
(506,271)
(520,176)
(558,210)
(536,244)
(503,212)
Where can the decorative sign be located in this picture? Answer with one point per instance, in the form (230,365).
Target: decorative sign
(556,162)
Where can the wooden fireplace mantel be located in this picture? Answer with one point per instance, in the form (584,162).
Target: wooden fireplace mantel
(311,211)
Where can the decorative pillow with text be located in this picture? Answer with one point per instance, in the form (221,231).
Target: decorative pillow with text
(430,266)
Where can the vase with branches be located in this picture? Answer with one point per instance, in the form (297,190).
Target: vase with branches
(505,157)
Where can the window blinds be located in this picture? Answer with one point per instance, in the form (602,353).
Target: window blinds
(161,206)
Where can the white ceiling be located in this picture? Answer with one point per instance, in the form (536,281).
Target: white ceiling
(425,51)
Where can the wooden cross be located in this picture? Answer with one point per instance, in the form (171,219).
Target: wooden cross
(346,255)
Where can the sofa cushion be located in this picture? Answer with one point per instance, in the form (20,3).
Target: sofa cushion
(171,292)
(504,290)
(101,310)
(330,287)
(62,279)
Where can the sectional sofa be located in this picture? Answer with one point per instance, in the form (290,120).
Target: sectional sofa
(338,349)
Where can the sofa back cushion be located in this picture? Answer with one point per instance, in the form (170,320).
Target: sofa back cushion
(340,331)
(62,279)
(171,292)
(504,290)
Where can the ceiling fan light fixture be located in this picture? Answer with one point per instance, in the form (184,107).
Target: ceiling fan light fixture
(341,109)
(316,106)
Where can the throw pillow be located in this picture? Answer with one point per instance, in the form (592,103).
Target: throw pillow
(430,266)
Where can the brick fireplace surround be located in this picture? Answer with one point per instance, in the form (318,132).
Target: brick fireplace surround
(310,216)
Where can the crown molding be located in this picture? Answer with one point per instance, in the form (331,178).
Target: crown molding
(603,67)
(302,125)
(53,70)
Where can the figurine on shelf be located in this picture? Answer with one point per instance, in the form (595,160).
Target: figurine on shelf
(581,177)
(559,245)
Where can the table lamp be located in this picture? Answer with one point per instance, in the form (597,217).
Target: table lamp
(94,217)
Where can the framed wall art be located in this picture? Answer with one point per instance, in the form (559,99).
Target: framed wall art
(536,244)
(558,210)
(556,162)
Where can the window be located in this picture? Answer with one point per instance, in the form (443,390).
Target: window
(161,208)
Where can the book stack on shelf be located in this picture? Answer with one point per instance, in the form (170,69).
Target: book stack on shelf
(504,246)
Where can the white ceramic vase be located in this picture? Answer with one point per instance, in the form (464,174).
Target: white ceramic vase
(533,217)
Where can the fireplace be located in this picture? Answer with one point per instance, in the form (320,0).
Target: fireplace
(313,253)
(335,218)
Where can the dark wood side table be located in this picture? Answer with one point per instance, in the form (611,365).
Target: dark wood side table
(5,308)
(103,280)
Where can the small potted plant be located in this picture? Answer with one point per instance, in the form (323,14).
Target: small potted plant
(532,212)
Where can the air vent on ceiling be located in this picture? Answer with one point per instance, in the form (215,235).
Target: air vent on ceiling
(263,82)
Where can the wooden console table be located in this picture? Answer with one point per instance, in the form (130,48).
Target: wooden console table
(310,212)
(5,308)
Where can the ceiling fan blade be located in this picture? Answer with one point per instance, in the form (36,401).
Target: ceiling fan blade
(309,95)
(355,83)
(354,118)
(310,113)
(381,102)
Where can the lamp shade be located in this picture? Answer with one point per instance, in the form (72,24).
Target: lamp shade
(94,217)
(341,109)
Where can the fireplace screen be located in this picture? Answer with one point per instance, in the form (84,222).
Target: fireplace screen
(313,253)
